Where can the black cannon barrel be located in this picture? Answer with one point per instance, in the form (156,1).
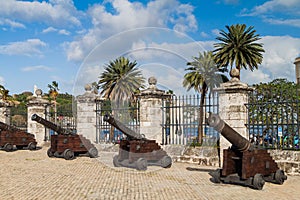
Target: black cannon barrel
(238,141)
(50,125)
(7,127)
(121,127)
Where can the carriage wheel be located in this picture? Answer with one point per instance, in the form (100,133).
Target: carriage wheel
(141,164)
(116,161)
(280,177)
(50,153)
(31,146)
(8,147)
(216,176)
(258,182)
(68,154)
(166,162)
(93,152)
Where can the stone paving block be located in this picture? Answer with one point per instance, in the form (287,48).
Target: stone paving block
(32,175)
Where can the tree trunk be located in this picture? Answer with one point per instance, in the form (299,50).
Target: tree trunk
(201,114)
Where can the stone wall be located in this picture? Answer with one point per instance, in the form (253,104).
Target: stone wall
(288,161)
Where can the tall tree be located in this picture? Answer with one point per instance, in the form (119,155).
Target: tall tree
(53,93)
(203,75)
(119,81)
(238,47)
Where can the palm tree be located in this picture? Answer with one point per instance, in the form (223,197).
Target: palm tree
(238,47)
(53,93)
(4,93)
(119,81)
(203,75)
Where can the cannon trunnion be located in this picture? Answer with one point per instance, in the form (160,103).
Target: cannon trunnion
(244,164)
(66,144)
(11,136)
(136,151)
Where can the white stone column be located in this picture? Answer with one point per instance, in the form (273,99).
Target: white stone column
(233,95)
(86,114)
(5,113)
(37,105)
(151,100)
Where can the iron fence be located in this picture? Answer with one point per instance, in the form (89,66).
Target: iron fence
(18,117)
(181,118)
(127,113)
(273,119)
(64,116)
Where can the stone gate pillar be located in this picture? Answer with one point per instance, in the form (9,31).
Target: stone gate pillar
(86,114)
(151,100)
(37,105)
(5,113)
(233,95)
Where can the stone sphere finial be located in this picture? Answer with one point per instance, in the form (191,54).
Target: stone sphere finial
(152,80)
(234,73)
(38,92)
(88,87)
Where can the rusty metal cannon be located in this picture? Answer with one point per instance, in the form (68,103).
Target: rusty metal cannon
(11,136)
(66,144)
(244,164)
(136,151)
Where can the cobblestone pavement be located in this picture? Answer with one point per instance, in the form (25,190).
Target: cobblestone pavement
(32,175)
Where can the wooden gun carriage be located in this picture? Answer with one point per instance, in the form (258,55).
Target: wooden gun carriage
(244,164)
(66,144)
(11,136)
(136,151)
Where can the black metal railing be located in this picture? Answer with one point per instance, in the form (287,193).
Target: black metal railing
(181,118)
(273,119)
(128,114)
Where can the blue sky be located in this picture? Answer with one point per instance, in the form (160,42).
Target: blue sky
(70,41)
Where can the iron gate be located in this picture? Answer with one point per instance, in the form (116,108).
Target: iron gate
(128,113)
(180,119)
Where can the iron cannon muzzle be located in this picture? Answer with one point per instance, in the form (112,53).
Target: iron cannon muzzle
(238,142)
(34,117)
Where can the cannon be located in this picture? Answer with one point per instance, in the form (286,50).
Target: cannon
(243,164)
(11,136)
(135,151)
(66,144)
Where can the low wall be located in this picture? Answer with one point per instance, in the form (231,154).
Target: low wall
(206,156)
(288,161)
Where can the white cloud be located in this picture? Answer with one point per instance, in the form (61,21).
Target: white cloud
(64,32)
(11,23)
(29,47)
(290,22)
(2,81)
(283,6)
(126,15)
(51,29)
(156,50)
(54,12)
(288,10)
(34,68)
(216,32)
(278,60)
